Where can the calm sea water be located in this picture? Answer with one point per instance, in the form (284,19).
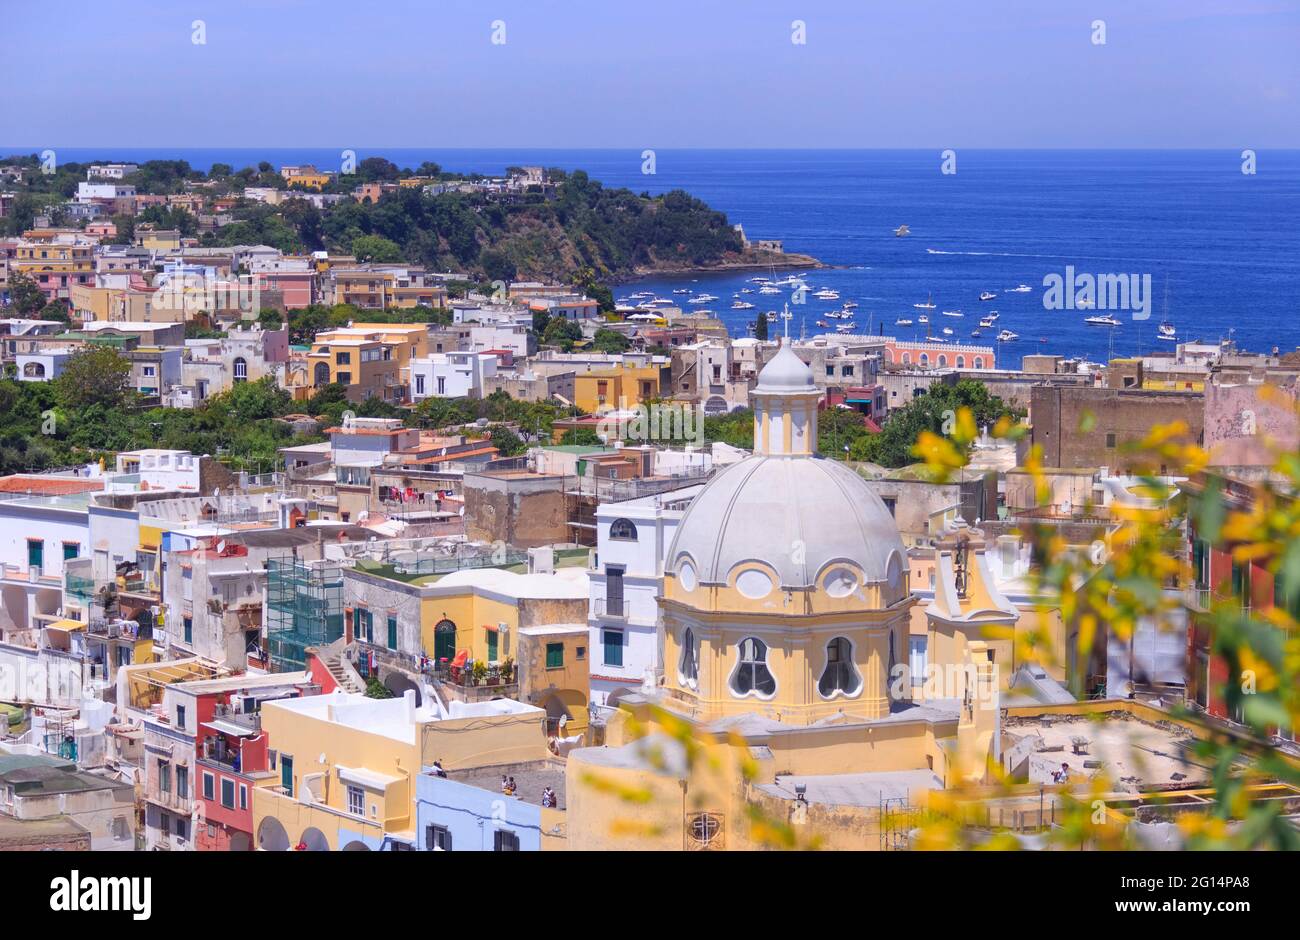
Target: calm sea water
(1224,247)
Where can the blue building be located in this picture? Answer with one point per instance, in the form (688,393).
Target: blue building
(467,811)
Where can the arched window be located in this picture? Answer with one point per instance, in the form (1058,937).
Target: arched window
(907,359)
(623,530)
(241,369)
(688,669)
(943,361)
(979,362)
(961,362)
(925,359)
(752,677)
(840,675)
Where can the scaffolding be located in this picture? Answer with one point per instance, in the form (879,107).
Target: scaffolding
(895,816)
(304,606)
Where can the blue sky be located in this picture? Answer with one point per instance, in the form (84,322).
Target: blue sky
(653,73)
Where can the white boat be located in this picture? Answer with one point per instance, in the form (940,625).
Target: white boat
(768,289)
(901,231)
(987,295)
(923,319)
(1006,336)
(902,322)
(850,304)
(1166,331)
(747,290)
(845,328)
(947,331)
(741,305)
(658,302)
(987,322)
(1103,319)
(771,316)
(823,324)
(1020,289)
(974,332)
(928,305)
(952,313)
(682,290)
(826,294)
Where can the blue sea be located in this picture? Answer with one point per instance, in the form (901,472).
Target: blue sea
(1222,248)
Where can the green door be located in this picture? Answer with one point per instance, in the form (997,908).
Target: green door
(286,773)
(492,645)
(36,554)
(392,633)
(444,641)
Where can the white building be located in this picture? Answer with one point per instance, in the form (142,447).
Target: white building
(89,191)
(451,375)
(41,366)
(632,540)
(110,171)
(162,469)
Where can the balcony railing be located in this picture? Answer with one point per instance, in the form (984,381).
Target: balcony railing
(611,608)
(169,799)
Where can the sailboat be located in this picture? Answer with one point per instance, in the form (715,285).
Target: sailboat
(1165,331)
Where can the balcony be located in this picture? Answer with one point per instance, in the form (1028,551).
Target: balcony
(169,799)
(609,608)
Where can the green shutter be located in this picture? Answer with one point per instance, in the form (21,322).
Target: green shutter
(554,655)
(492,645)
(392,633)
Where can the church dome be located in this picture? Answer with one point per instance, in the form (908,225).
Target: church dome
(814,522)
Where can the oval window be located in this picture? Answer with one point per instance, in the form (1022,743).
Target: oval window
(686,576)
(841,582)
(754,584)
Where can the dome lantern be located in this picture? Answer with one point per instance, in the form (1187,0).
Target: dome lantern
(785,407)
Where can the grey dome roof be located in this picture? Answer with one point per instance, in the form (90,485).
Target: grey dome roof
(786,372)
(761,508)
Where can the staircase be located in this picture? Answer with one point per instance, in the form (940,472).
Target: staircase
(342,671)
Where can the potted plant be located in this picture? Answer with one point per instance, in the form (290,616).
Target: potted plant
(480,671)
(507,670)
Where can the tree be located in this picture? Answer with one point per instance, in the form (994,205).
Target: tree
(269,318)
(376,248)
(507,442)
(610,341)
(561,332)
(94,375)
(760,327)
(25,295)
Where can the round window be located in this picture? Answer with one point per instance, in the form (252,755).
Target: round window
(841,582)
(754,583)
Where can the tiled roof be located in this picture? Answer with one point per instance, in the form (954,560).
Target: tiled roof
(48,486)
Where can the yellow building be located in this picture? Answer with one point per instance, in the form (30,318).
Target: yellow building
(368,359)
(346,765)
(623,386)
(308,177)
(376,288)
(528,630)
(785,609)
(56,261)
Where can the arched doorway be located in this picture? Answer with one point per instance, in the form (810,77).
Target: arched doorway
(322,373)
(314,839)
(356,846)
(271,836)
(444,641)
